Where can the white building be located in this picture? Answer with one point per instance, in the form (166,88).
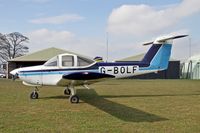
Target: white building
(191,68)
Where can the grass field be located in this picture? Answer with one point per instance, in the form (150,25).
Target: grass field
(157,106)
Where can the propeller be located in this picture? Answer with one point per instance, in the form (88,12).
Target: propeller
(14,77)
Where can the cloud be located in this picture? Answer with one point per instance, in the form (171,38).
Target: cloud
(144,19)
(60,19)
(44,38)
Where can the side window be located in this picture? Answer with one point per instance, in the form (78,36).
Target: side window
(52,62)
(67,61)
(84,62)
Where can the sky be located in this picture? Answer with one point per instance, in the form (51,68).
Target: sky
(84,26)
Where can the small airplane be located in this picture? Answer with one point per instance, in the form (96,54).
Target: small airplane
(70,70)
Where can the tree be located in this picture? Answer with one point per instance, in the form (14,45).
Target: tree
(12,46)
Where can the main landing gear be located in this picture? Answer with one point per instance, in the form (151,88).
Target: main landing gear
(72,92)
(34,94)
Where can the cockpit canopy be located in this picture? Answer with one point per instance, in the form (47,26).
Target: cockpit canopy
(69,60)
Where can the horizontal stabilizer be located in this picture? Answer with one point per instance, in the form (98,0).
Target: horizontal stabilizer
(163,39)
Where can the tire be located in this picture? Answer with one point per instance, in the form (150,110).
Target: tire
(74,99)
(34,95)
(67,91)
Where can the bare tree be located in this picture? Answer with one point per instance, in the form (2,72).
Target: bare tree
(12,45)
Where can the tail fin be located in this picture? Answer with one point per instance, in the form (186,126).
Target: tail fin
(159,54)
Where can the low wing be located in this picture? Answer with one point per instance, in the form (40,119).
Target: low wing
(86,76)
(80,78)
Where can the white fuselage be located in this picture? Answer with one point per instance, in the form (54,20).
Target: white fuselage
(43,75)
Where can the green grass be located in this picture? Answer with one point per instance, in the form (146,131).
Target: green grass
(157,106)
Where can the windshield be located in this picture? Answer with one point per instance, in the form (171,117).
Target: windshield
(52,62)
(84,61)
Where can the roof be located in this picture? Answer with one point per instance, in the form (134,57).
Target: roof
(42,55)
(194,57)
(138,57)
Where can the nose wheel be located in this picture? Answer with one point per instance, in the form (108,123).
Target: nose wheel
(67,91)
(34,94)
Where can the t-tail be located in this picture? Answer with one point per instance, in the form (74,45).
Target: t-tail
(158,55)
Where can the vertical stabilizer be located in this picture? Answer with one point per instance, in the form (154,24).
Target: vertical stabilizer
(159,54)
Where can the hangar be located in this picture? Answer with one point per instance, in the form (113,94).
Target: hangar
(173,71)
(36,58)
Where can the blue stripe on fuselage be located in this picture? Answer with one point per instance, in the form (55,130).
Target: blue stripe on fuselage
(125,63)
(30,73)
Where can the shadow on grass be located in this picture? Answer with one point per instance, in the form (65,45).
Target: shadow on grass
(117,110)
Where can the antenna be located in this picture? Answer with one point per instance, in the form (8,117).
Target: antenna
(190,47)
(106,46)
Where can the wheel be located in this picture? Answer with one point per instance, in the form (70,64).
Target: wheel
(34,95)
(74,99)
(67,91)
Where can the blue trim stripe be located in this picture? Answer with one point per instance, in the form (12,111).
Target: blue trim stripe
(93,67)
(126,63)
(27,73)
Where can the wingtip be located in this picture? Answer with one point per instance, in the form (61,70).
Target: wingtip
(180,36)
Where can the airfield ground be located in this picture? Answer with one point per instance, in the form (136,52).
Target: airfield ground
(155,106)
